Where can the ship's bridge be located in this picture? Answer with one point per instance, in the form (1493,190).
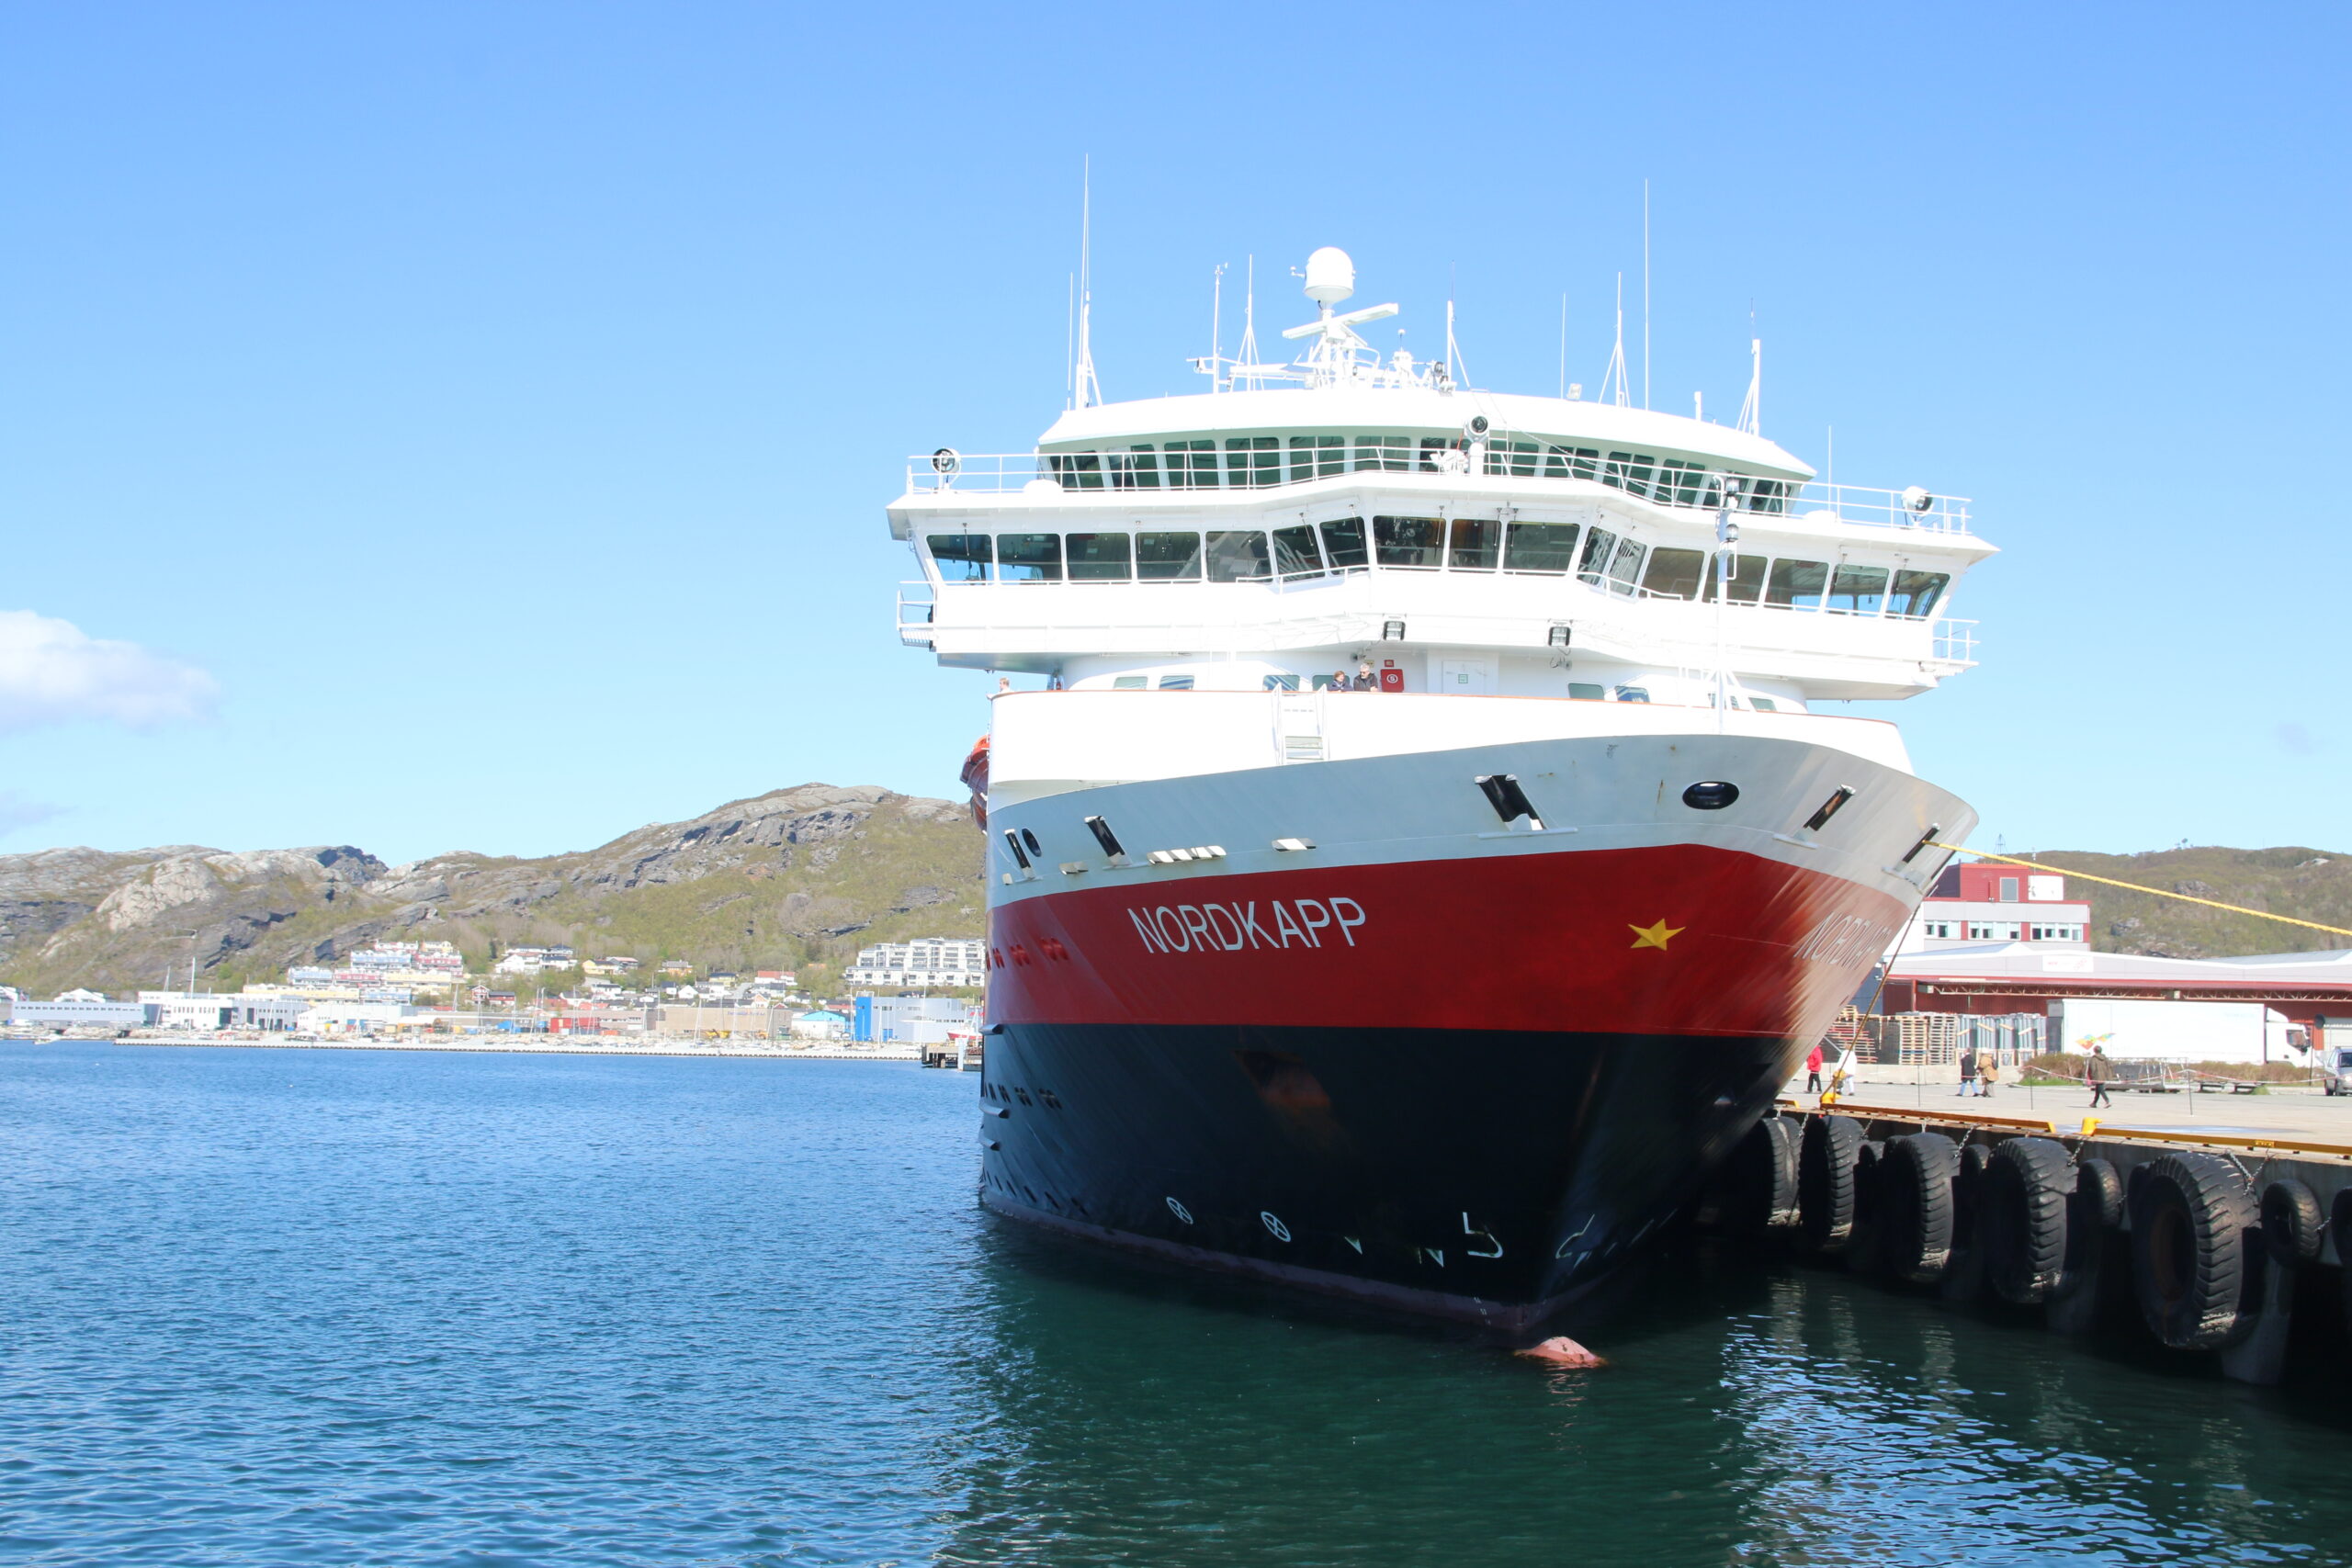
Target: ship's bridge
(1461,540)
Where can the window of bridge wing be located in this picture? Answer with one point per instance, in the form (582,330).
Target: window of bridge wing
(1797,584)
(1028,558)
(1473,544)
(1237,555)
(1599,544)
(1625,566)
(1517,458)
(1743,580)
(1076,470)
(1318,456)
(1190,465)
(1571,462)
(1674,574)
(1858,590)
(1547,547)
(1168,558)
(1099,557)
(1917,592)
(963,558)
(1343,544)
(1767,495)
(1434,451)
(1384,452)
(1294,553)
(1252,460)
(1408,544)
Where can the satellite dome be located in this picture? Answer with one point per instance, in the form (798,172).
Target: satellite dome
(1331,276)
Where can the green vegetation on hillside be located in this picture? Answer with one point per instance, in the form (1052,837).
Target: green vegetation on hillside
(2306,884)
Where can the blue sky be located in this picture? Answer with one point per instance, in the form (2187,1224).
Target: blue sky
(477,421)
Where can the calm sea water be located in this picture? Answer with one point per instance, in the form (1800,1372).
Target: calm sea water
(330,1307)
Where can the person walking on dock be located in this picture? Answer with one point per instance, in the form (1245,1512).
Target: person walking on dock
(1967,1070)
(2099,1072)
(1988,1071)
(1813,1070)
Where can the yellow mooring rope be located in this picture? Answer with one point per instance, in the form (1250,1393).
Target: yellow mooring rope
(2086,877)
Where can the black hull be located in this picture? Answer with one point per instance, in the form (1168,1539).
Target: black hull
(1486,1177)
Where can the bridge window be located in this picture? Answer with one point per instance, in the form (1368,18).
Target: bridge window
(1674,574)
(1029,558)
(1168,558)
(1516,458)
(1387,452)
(1237,556)
(1137,468)
(1433,450)
(1412,543)
(1599,544)
(1252,460)
(1767,495)
(1609,561)
(1858,590)
(1686,484)
(1549,547)
(1318,456)
(1477,542)
(1076,470)
(1343,543)
(1797,584)
(1917,592)
(1100,558)
(1191,464)
(1629,471)
(1294,554)
(1571,462)
(963,558)
(1744,582)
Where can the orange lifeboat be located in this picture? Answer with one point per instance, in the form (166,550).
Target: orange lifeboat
(976,779)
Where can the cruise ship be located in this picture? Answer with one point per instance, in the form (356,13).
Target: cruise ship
(1427,854)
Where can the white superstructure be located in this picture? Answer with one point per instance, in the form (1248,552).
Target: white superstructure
(1466,543)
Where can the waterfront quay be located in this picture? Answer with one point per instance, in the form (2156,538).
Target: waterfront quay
(567,1044)
(2204,1224)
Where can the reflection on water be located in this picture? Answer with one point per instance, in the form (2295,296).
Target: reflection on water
(329,1307)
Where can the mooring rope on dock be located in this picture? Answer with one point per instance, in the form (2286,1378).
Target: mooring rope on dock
(2133,886)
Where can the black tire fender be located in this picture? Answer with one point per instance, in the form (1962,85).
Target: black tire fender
(2025,1189)
(1825,1181)
(1755,1190)
(1917,1205)
(2101,1190)
(2192,1268)
(1865,1250)
(2291,1221)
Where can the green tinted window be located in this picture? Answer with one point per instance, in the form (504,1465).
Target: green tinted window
(1100,558)
(1408,542)
(1381,452)
(1318,456)
(1540,547)
(963,558)
(1136,469)
(1251,460)
(1343,543)
(1476,543)
(1190,464)
(1797,584)
(1858,590)
(1674,574)
(1237,556)
(1029,558)
(1744,579)
(1587,691)
(1166,557)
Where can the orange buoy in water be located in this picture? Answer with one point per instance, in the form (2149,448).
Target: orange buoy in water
(1562,1351)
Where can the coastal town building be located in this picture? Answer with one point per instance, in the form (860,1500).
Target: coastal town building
(1972,905)
(926,961)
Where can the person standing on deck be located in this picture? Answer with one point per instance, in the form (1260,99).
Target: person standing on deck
(1967,1069)
(1813,1070)
(2099,1072)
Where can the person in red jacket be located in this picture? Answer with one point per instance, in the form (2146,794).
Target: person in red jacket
(1813,1071)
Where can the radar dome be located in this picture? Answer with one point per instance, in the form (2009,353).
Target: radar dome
(1331,276)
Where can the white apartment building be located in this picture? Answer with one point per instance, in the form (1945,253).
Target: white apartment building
(926,961)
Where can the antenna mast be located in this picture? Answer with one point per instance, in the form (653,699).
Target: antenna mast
(1615,373)
(1751,413)
(1085,391)
(1645,294)
(1246,356)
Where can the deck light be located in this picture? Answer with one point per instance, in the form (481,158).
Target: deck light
(1917,499)
(1556,638)
(1392,631)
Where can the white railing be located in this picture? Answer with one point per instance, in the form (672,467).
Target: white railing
(1088,475)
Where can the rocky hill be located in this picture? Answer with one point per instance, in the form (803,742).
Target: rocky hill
(2311,884)
(796,879)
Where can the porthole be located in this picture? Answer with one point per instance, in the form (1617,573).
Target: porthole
(1030,839)
(1711,794)
(1274,1227)
(1181,1212)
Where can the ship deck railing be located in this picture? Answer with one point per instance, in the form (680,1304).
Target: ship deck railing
(1696,490)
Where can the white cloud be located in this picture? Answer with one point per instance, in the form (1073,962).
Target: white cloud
(16,811)
(51,671)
